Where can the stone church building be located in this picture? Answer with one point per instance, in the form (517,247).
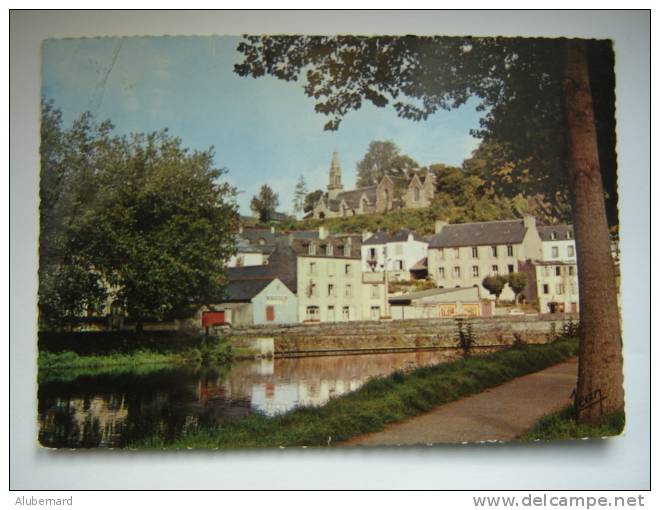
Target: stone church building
(390,193)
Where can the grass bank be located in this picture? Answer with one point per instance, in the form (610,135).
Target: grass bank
(377,403)
(562,425)
(211,349)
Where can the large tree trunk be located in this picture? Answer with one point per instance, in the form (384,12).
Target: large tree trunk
(600,369)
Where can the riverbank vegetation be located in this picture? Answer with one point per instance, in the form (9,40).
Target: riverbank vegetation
(211,349)
(563,425)
(379,402)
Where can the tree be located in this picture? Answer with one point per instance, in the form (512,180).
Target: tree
(495,285)
(517,282)
(311,199)
(265,203)
(299,195)
(533,92)
(140,220)
(383,158)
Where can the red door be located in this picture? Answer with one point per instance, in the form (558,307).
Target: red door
(270,313)
(213,318)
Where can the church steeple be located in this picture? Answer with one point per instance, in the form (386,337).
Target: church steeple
(334,184)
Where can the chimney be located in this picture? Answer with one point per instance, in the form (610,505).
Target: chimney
(529,221)
(323,232)
(366,235)
(439,224)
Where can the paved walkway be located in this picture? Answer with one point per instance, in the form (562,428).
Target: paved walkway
(500,413)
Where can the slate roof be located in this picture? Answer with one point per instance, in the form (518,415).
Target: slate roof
(281,264)
(253,235)
(301,246)
(481,233)
(421,265)
(239,291)
(352,198)
(381,237)
(545,232)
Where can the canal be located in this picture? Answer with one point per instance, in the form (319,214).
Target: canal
(113,409)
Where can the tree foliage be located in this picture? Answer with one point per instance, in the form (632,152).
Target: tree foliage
(299,195)
(265,203)
(517,282)
(383,158)
(494,284)
(135,219)
(311,199)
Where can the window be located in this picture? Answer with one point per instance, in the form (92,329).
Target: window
(441,254)
(416,194)
(546,289)
(331,290)
(457,272)
(570,251)
(398,249)
(340,248)
(347,250)
(560,288)
(312,289)
(346,313)
(457,253)
(331,268)
(399,265)
(312,268)
(348,291)
(375,291)
(347,270)
(493,251)
(555,252)
(475,271)
(331,313)
(510,268)
(553,235)
(328,250)
(270,313)
(312,249)
(375,312)
(569,235)
(494,269)
(372,253)
(441,272)
(312,313)
(475,252)
(557,270)
(509,251)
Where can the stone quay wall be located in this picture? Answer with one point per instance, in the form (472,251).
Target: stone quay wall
(400,335)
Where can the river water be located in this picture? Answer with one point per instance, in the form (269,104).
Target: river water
(111,410)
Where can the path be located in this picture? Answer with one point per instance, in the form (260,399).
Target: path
(500,413)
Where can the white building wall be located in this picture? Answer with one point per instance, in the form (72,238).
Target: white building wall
(400,256)
(557,288)
(246,259)
(559,250)
(339,303)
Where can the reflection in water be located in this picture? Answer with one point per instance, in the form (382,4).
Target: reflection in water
(112,410)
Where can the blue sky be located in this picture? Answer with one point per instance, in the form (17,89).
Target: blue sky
(263,130)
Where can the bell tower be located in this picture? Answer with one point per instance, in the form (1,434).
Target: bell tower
(334,184)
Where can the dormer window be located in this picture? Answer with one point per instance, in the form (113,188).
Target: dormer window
(553,235)
(262,241)
(569,235)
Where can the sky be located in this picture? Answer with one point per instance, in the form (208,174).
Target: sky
(264,131)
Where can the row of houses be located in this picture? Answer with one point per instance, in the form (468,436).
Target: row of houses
(315,276)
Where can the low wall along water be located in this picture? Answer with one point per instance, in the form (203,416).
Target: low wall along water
(400,336)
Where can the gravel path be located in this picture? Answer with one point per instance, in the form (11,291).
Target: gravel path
(500,413)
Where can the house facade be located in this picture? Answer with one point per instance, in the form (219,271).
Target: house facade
(253,302)
(329,278)
(397,253)
(558,243)
(462,255)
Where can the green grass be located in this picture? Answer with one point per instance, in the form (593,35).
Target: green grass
(562,425)
(377,403)
(213,350)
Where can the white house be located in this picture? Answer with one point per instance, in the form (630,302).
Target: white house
(558,243)
(397,253)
